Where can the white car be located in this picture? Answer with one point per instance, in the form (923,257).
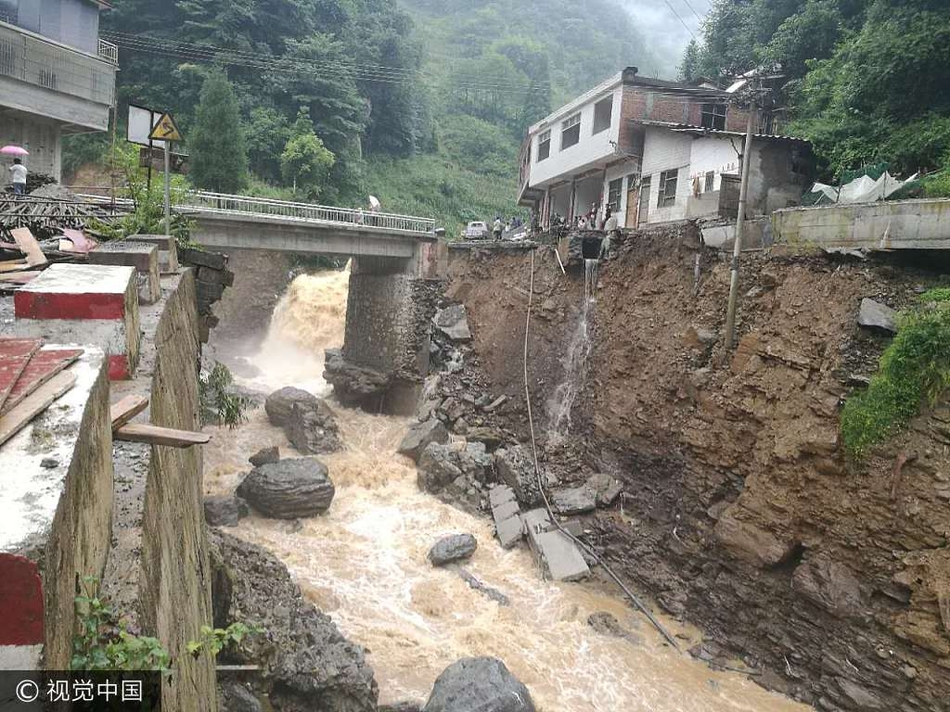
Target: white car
(477,230)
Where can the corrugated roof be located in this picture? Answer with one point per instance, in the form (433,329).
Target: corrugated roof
(703,131)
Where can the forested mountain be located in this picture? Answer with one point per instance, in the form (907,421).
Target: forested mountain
(867,79)
(421,102)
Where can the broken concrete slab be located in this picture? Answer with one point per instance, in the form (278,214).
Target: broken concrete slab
(560,557)
(509,527)
(510,531)
(606,489)
(576,500)
(875,315)
(500,494)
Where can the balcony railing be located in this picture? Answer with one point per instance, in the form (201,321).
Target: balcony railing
(50,65)
(109,52)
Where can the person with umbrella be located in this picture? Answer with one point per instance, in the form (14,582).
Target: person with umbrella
(18,171)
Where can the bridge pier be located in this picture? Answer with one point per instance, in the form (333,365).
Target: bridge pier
(385,354)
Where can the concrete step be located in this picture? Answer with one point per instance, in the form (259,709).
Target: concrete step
(560,557)
(509,526)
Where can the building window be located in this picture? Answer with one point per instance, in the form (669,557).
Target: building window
(667,189)
(714,116)
(570,131)
(710,182)
(614,189)
(602,114)
(544,145)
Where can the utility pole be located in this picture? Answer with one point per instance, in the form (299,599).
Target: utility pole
(168,189)
(740,223)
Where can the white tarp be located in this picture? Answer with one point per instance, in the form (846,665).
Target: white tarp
(861,190)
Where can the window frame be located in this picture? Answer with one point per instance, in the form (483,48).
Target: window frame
(664,198)
(575,126)
(609,101)
(614,205)
(543,138)
(713,116)
(709,184)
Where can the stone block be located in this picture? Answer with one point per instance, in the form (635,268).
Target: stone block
(510,531)
(215,276)
(85,304)
(167,250)
(214,260)
(140,255)
(562,559)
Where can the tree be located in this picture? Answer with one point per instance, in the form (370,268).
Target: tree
(306,162)
(689,69)
(218,152)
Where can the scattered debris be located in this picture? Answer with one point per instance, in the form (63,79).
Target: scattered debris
(452,548)
(876,315)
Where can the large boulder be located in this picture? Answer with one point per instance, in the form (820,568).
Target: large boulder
(280,404)
(289,489)
(308,421)
(265,455)
(452,548)
(575,500)
(313,428)
(438,467)
(516,469)
(420,435)
(478,685)
(875,315)
(453,322)
(224,510)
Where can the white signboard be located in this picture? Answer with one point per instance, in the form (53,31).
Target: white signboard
(141,123)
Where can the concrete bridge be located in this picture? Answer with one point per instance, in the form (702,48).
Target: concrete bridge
(396,262)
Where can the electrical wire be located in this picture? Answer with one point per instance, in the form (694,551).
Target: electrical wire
(547,505)
(682,21)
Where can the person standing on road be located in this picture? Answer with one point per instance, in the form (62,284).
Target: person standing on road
(18,175)
(613,232)
(497,228)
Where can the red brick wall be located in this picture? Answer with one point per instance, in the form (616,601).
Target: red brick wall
(647,104)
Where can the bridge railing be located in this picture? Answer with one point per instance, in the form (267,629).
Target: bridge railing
(224,204)
(311,212)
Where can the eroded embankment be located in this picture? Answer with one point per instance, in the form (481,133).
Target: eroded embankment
(741,511)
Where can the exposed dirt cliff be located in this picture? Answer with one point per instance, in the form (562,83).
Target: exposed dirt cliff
(741,511)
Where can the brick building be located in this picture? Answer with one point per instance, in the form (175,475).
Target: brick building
(655,151)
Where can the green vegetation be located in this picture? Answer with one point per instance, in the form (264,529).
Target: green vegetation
(866,78)
(402,94)
(214,640)
(914,368)
(103,642)
(217,404)
(218,154)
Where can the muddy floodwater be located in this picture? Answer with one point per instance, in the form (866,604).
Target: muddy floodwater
(364,563)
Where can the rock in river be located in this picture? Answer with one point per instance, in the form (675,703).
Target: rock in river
(453,322)
(452,548)
(289,489)
(224,511)
(265,455)
(420,435)
(308,422)
(479,685)
(516,469)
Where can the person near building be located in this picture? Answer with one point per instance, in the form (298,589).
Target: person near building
(18,175)
(612,233)
(497,228)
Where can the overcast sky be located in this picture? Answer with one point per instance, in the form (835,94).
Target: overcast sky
(665,34)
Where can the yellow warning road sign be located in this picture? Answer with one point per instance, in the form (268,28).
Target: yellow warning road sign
(165,129)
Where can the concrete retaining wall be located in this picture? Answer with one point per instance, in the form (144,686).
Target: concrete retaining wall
(905,224)
(175,584)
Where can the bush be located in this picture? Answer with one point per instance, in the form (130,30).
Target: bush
(914,368)
(217,404)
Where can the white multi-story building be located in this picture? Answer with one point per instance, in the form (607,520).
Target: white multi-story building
(56,76)
(654,151)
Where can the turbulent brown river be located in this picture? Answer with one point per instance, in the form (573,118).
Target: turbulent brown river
(364,562)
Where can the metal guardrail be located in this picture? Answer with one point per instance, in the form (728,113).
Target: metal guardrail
(109,51)
(224,204)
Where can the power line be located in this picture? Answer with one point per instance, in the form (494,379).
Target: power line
(375,73)
(683,22)
(689,5)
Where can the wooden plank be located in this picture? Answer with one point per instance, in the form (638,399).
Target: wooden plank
(124,410)
(13,265)
(45,364)
(18,277)
(154,435)
(15,355)
(34,404)
(29,246)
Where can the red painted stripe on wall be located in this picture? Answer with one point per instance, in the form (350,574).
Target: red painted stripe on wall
(39,305)
(21,601)
(119,368)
